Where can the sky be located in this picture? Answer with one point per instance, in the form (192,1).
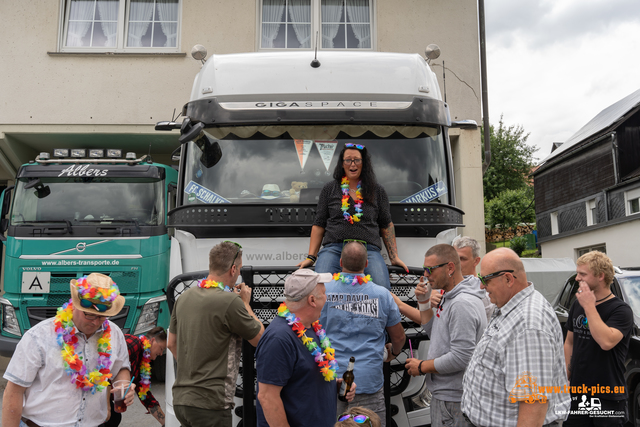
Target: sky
(553,65)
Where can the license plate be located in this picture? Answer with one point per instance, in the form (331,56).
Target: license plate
(36,282)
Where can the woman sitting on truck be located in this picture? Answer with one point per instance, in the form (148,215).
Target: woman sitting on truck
(353,206)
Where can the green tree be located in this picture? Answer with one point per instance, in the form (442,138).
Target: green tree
(510,208)
(511,160)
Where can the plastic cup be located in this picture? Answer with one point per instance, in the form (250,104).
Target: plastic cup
(119,388)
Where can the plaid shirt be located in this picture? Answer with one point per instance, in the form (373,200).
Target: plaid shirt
(521,350)
(136,350)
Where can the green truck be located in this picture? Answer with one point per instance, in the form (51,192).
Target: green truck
(82,211)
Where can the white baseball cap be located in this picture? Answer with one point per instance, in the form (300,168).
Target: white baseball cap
(302,282)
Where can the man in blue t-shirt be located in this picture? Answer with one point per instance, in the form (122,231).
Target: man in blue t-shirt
(294,387)
(356,316)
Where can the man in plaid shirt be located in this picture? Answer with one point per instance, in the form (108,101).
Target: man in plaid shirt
(517,375)
(158,339)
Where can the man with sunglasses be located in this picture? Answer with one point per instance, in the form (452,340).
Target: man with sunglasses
(519,356)
(357,315)
(60,370)
(457,325)
(207,326)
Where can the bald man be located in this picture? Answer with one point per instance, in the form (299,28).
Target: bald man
(517,373)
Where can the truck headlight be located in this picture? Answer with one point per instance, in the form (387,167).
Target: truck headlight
(149,315)
(423,398)
(9,320)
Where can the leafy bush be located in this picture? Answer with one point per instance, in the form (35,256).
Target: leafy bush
(518,244)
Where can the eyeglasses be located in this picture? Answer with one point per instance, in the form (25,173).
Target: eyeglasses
(348,162)
(360,419)
(358,146)
(237,252)
(429,270)
(485,279)
(362,242)
(98,307)
(93,316)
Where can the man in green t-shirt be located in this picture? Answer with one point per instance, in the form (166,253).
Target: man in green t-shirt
(208,324)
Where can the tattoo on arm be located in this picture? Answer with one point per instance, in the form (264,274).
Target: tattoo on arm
(157,413)
(389,239)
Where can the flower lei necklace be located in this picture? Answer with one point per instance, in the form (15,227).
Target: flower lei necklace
(358,279)
(345,201)
(86,291)
(327,360)
(97,379)
(145,368)
(204,283)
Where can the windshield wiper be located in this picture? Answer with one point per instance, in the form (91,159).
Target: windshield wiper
(50,221)
(112,221)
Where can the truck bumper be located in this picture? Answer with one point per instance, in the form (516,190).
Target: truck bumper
(8,346)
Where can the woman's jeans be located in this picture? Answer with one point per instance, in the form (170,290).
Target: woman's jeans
(329,262)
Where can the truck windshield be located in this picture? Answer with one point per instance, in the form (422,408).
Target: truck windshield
(287,170)
(89,200)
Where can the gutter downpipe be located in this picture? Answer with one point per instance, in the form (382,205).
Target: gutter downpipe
(485,95)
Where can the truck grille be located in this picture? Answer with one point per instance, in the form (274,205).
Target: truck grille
(127,281)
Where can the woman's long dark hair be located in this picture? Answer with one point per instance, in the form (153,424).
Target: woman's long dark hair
(367,175)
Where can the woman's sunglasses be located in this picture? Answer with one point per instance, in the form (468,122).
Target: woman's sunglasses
(358,146)
(360,419)
(98,307)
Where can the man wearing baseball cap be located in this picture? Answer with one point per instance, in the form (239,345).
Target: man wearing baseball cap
(62,367)
(295,360)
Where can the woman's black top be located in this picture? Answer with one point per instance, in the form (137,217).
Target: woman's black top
(329,216)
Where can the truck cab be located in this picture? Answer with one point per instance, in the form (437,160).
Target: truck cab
(70,216)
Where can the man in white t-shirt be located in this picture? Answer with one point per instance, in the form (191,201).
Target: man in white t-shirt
(44,389)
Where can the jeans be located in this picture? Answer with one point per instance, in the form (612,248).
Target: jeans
(329,262)
(374,402)
(445,413)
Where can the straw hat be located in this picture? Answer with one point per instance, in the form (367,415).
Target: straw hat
(98,290)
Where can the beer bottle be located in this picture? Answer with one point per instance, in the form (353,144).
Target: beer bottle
(347,380)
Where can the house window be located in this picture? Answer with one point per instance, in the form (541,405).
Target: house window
(291,24)
(581,251)
(554,223)
(120,25)
(592,212)
(632,201)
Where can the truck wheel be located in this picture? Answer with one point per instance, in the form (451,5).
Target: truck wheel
(158,368)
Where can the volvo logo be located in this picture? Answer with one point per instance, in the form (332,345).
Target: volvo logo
(80,247)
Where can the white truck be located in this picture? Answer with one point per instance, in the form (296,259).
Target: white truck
(261,136)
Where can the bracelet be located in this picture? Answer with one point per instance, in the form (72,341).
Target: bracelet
(312,258)
(420,367)
(395,355)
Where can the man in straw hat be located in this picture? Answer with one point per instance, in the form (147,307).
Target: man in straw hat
(295,361)
(62,366)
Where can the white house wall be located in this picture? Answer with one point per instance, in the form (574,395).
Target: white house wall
(621,242)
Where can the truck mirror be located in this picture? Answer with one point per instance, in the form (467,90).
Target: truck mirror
(189,132)
(211,152)
(5,202)
(43,191)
